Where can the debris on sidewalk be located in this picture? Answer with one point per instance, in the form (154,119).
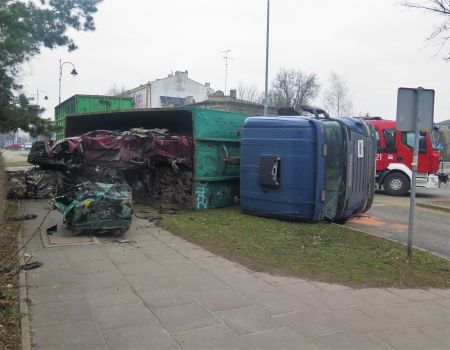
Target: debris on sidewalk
(33,183)
(22,217)
(96,207)
(122,241)
(92,177)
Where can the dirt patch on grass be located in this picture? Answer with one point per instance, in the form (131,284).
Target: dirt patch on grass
(9,282)
(320,252)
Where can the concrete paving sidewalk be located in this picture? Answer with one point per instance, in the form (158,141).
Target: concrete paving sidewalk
(165,293)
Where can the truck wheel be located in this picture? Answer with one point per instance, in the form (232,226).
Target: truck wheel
(396,184)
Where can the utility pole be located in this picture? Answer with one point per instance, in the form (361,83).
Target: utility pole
(226,58)
(266,86)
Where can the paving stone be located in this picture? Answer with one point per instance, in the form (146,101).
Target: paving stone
(54,293)
(344,300)
(350,340)
(51,314)
(223,299)
(85,253)
(93,267)
(152,336)
(103,280)
(359,321)
(79,335)
(150,267)
(48,278)
(278,280)
(397,316)
(178,270)
(283,338)
(439,332)
(185,317)
(149,282)
(331,287)
(410,339)
(200,282)
(127,257)
(313,300)
(444,293)
(216,337)
(380,297)
(125,315)
(111,296)
(52,259)
(245,283)
(415,294)
(158,298)
(278,303)
(429,312)
(248,320)
(443,302)
(312,323)
(300,289)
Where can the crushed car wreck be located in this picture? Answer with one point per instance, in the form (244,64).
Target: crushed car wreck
(96,207)
(156,163)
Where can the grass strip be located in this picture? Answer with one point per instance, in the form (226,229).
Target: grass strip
(320,252)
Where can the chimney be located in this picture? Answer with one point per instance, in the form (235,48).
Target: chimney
(233,94)
(208,85)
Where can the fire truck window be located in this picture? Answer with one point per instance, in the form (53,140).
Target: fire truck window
(378,142)
(389,139)
(408,140)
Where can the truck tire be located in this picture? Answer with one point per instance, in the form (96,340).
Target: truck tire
(396,184)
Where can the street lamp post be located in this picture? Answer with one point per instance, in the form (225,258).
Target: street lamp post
(266,85)
(73,72)
(37,95)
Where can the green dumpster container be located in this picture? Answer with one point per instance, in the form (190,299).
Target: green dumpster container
(88,103)
(217,140)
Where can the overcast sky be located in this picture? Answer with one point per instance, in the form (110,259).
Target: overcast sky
(375,45)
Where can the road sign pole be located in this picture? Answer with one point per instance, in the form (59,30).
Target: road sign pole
(412,198)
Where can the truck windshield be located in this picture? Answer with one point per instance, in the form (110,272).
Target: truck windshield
(334,167)
(434,134)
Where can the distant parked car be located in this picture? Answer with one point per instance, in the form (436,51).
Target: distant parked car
(14,147)
(27,145)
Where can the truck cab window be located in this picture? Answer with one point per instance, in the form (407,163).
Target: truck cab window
(408,140)
(334,167)
(377,136)
(389,140)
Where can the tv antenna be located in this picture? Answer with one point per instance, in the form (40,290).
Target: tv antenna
(226,58)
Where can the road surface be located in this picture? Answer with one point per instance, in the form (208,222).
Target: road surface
(388,218)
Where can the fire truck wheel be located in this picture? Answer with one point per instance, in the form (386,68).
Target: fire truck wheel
(396,184)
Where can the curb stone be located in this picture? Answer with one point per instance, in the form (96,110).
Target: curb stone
(433,206)
(395,241)
(23,302)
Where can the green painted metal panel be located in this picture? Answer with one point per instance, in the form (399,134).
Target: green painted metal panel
(88,103)
(217,142)
(215,194)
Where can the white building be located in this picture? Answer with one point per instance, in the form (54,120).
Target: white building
(175,90)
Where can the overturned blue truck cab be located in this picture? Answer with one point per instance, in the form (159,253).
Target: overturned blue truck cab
(307,168)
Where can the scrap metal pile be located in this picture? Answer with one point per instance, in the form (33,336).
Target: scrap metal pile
(95,172)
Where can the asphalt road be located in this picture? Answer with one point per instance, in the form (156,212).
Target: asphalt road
(388,218)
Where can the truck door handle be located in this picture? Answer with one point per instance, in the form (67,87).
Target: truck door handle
(400,158)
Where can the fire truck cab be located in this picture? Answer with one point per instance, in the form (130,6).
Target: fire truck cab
(395,156)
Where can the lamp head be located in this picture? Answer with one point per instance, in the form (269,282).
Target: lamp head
(74,72)
(45,97)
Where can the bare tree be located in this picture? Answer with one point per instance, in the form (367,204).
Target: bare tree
(249,93)
(116,90)
(337,97)
(292,88)
(441,32)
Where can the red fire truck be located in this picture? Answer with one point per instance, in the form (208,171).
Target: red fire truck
(395,155)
